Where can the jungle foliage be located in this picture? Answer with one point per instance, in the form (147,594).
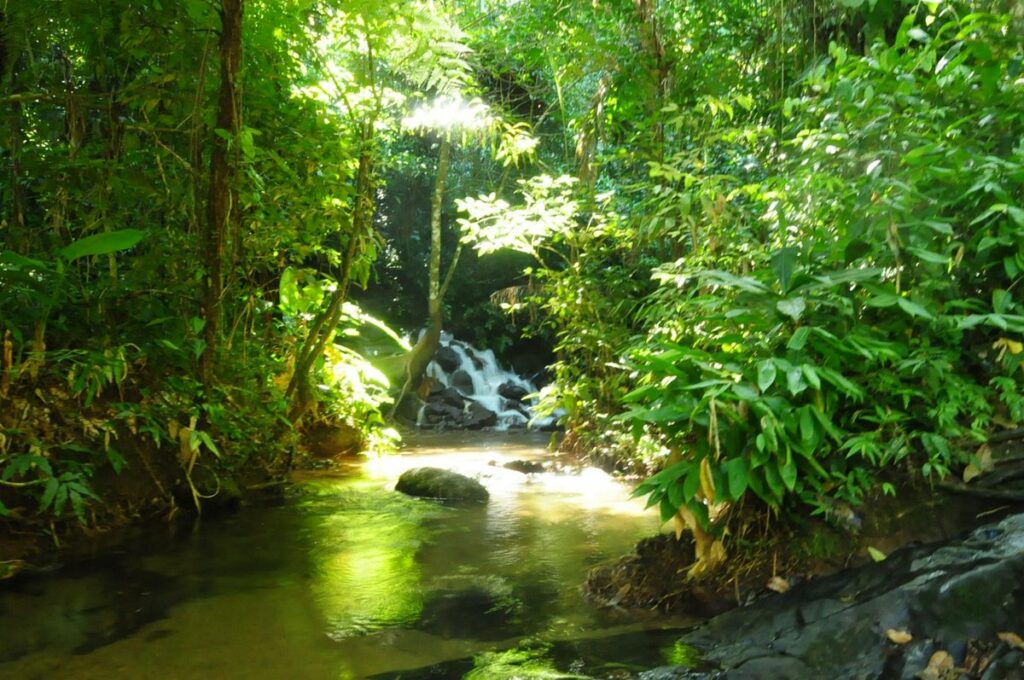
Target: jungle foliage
(187,204)
(775,245)
(787,262)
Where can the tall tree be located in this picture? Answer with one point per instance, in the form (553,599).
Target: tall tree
(223,195)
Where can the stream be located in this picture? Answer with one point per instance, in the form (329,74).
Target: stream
(346,578)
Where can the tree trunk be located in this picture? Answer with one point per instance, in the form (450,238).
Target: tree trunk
(425,348)
(299,389)
(222,179)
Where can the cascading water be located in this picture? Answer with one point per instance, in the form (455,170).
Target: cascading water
(463,378)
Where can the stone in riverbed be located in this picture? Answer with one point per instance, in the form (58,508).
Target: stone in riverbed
(449,396)
(448,359)
(512,391)
(430,482)
(440,413)
(479,417)
(525,466)
(462,381)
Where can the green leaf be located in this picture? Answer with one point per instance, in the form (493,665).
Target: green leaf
(766,373)
(913,309)
(16,261)
(929,256)
(795,380)
(774,481)
(876,554)
(691,484)
(736,472)
(1016,214)
(48,493)
(115,458)
(793,307)
(668,510)
(783,264)
(101,244)
(811,376)
(744,391)
(885,300)
(799,339)
(918,35)
(1001,300)
(788,473)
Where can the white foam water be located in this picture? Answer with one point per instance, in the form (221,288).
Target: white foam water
(487,376)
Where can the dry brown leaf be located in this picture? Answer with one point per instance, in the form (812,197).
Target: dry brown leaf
(778,584)
(900,637)
(1012,639)
(940,667)
(985,464)
(707,482)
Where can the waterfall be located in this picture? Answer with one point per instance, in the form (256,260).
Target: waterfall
(490,396)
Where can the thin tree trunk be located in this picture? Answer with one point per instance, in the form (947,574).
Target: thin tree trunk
(222,178)
(299,391)
(425,348)
(434,299)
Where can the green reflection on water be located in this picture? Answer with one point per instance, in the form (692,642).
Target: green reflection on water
(682,654)
(527,662)
(365,575)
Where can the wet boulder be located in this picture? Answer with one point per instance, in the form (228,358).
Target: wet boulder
(478,417)
(440,413)
(430,482)
(513,392)
(448,359)
(449,396)
(525,466)
(884,620)
(462,381)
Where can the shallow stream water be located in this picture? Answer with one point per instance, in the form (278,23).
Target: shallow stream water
(346,578)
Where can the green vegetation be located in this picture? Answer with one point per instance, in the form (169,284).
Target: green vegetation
(773,248)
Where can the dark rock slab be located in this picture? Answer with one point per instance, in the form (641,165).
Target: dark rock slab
(429,482)
(462,381)
(449,396)
(512,391)
(447,359)
(947,597)
(478,417)
(525,466)
(440,413)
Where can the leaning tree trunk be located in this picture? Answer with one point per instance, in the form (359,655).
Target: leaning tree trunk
(425,348)
(222,179)
(299,390)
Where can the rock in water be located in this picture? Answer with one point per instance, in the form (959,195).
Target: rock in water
(463,382)
(429,482)
(512,391)
(451,397)
(525,466)
(448,359)
(479,417)
(439,413)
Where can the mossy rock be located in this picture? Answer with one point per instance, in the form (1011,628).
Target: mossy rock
(430,482)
